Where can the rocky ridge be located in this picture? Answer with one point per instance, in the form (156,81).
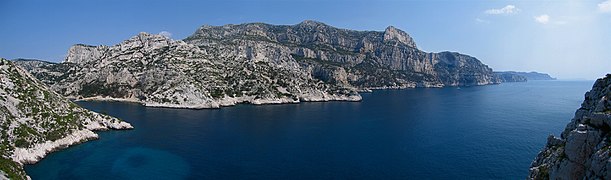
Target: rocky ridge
(510,77)
(369,58)
(513,76)
(536,76)
(256,63)
(583,151)
(35,120)
(158,71)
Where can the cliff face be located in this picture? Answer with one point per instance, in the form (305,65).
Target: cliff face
(370,58)
(36,120)
(158,71)
(257,63)
(583,150)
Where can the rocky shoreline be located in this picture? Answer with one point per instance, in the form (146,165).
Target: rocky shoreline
(37,152)
(232,101)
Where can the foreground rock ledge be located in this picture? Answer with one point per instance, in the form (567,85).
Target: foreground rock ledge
(35,121)
(583,149)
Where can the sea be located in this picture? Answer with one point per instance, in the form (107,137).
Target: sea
(481,132)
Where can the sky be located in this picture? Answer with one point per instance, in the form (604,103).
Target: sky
(568,39)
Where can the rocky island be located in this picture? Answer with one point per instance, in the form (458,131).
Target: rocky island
(35,121)
(583,149)
(255,63)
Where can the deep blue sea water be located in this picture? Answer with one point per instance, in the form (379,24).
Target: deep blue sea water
(484,132)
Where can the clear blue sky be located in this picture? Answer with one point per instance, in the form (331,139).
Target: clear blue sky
(568,39)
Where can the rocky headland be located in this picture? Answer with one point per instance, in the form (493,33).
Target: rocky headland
(583,150)
(255,63)
(514,76)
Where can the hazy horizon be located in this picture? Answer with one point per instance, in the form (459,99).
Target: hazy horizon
(565,39)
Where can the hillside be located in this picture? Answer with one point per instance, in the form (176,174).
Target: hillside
(35,121)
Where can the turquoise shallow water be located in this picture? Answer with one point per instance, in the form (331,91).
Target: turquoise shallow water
(485,132)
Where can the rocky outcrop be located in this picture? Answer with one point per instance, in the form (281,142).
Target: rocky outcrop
(583,149)
(257,63)
(31,64)
(393,34)
(81,53)
(36,120)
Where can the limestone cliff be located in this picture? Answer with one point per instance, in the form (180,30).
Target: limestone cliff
(583,150)
(35,121)
(158,71)
(256,63)
(370,59)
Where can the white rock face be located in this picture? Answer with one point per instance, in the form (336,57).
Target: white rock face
(582,151)
(83,53)
(3,176)
(160,72)
(36,121)
(372,59)
(392,33)
(259,64)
